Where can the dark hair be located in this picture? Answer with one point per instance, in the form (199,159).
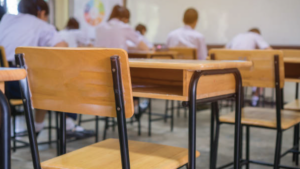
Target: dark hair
(72,24)
(140,28)
(190,16)
(32,8)
(119,12)
(2,12)
(255,30)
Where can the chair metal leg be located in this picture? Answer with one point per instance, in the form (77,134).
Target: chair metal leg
(150,118)
(114,124)
(172,115)
(63,146)
(15,134)
(297,145)
(139,118)
(212,130)
(294,141)
(96,129)
(57,134)
(49,128)
(120,109)
(166,110)
(178,108)
(5,137)
(105,128)
(278,150)
(80,119)
(215,143)
(247,146)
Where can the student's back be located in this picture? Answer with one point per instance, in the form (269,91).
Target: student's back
(248,41)
(187,36)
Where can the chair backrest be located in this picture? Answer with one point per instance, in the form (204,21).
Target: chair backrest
(3,61)
(185,53)
(76,80)
(262,73)
(291,53)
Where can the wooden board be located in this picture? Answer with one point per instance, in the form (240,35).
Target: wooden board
(187,64)
(106,155)
(264,117)
(76,80)
(292,65)
(152,54)
(12,74)
(3,56)
(185,53)
(294,105)
(262,73)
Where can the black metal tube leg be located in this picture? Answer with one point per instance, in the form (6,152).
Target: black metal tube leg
(105,128)
(57,134)
(139,117)
(297,146)
(97,129)
(150,118)
(294,141)
(278,150)
(238,127)
(80,119)
(172,115)
(212,135)
(166,111)
(247,146)
(178,109)
(5,156)
(50,128)
(216,141)
(63,147)
(15,134)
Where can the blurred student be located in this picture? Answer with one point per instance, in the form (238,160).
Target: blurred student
(73,35)
(115,32)
(187,36)
(141,31)
(28,28)
(250,40)
(2,12)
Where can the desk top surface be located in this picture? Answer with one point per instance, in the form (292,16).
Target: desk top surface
(291,60)
(138,52)
(187,64)
(11,74)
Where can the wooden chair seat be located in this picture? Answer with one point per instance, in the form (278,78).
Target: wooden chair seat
(294,105)
(264,117)
(16,102)
(106,154)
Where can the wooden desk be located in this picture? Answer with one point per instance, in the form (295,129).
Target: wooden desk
(292,69)
(6,74)
(169,79)
(152,54)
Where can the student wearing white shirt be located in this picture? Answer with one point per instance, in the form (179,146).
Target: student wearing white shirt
(29,28)
(73,35)
(250,40)
(115,32)
(141,31)
(187,36)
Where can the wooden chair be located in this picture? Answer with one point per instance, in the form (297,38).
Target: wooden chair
(292,74)
(95,82)
(268,72)
(185,53)
(6,74)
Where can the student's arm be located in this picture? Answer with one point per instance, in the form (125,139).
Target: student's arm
(261,43)
(61,44)
(202,49)
(135,38)
(49,37)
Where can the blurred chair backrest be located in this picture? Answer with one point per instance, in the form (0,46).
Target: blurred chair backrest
(3,61)
(76,80)
(291,53)
(185,53)
(262,73)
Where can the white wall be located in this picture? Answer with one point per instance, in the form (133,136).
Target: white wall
(220,20)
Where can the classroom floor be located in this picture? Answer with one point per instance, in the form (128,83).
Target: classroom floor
(262,140)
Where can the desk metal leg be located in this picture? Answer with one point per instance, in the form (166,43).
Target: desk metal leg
(212,133)
(5,156)
(62,137)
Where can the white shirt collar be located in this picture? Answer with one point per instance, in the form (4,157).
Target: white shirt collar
(188,27)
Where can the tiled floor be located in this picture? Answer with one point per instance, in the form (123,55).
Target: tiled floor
(262,140)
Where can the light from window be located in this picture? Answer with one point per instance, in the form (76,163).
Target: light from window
(12,6)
